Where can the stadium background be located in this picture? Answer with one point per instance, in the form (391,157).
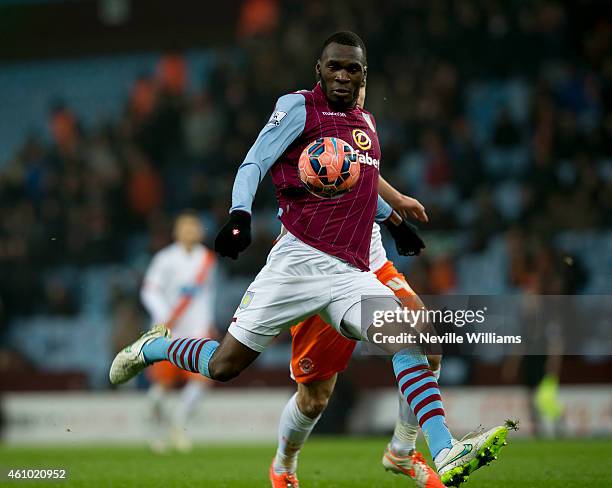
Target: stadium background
(116,114)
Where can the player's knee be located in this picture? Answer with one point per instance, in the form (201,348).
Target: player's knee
(223,371)
(312,404)
(434,361)
(313,407)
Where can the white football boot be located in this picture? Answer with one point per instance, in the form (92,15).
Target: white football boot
(469,454)
(130,361)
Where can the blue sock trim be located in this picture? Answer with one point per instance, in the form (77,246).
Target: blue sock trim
(205,354)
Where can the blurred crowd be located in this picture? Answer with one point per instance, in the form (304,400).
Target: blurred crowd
(542,166)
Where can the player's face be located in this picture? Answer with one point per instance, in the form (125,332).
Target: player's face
(188,231)
(342,72)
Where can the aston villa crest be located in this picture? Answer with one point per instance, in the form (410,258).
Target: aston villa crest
(247,299)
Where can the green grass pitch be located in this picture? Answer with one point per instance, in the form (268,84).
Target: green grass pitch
(324,463)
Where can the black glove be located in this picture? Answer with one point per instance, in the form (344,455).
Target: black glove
(235,236)
(407,241)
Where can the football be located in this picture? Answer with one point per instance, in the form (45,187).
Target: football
(328,167)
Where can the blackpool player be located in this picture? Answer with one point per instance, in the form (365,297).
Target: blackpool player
(319,353)
(321,266)
(178,290)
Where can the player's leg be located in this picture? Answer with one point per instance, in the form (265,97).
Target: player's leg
(299,417)
(417,383)
(397,456)
(423,398)
(455,460)
(406,431)
(318,354)
(292,285)
(351,291)
(220,362)
(455,463)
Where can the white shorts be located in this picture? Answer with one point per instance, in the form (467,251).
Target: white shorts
(297,282)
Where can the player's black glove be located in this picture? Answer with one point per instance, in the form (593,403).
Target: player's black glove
(407,241)
(235,236)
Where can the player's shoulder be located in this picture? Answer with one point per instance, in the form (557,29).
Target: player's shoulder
(291,103)
(304,92)
(294,99)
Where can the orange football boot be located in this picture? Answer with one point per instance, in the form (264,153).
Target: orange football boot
(414,466)
(283,480)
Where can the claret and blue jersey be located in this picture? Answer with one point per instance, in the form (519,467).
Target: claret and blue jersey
(341,226)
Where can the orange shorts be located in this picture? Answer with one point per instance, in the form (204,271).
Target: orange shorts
(318,352)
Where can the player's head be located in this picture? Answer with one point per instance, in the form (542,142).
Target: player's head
(342,68)
(188,229)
